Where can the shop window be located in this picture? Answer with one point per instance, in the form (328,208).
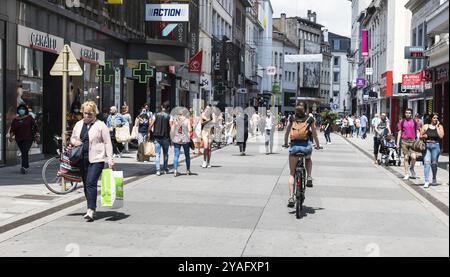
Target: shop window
(1,101)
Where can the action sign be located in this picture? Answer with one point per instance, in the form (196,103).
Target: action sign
(167,12)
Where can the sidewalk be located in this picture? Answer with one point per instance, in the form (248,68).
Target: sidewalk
(440,192)
(23,197)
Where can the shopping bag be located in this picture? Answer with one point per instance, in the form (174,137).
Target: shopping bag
(134,133)
(149,149)
(123,134)
(112,189)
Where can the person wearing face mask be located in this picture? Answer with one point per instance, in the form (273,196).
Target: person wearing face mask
(24,131)
(302,131)
(94,136)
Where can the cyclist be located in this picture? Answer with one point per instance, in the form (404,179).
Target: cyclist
(302,130)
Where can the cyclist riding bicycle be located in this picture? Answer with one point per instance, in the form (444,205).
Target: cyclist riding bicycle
(301,130)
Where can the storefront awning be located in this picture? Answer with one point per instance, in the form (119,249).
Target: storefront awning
(159,59)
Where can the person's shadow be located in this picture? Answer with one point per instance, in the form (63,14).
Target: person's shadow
(307,210)
(109,215)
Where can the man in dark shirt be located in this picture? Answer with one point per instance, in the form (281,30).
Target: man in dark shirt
(161,133)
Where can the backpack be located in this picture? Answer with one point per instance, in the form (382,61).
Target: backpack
(300,130)
(415,127)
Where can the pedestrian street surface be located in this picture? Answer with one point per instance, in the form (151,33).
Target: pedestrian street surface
(238,208)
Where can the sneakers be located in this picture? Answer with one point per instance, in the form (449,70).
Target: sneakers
(309,182)
(189,173)
(89,215)
(204,164)
(426,185)
(209,166)
(158,173)
(291,202)
(434,183)
(406,177)
(413,173)
(176,174)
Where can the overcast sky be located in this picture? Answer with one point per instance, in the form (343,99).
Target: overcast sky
(335,15)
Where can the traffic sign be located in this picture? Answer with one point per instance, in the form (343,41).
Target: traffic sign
(74,68)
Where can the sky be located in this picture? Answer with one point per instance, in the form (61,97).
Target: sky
(335,15)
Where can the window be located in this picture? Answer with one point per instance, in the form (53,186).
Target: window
(336,61)
(336,77)
(335,93)
(336,44)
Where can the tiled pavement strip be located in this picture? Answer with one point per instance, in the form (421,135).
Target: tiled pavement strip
(438,195)
(24,198)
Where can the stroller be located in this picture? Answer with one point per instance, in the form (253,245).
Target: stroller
(389,153)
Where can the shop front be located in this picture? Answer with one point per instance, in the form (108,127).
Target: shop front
(441,98)
(36,53)
(86,87)
(2,85)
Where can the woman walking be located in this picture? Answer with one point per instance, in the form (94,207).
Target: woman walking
(327,129)
(128,122)
(432,133)
(24,130)
(94,137)
(115,120)
(181,130)
(269,132)
(242,131)
(207,135)
(142,123)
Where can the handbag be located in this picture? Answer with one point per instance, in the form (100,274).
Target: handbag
(149,149)
(75,154)
(419,146)
(134,133)
(123,134)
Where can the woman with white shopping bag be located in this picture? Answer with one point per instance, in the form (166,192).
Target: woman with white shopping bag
(94,136)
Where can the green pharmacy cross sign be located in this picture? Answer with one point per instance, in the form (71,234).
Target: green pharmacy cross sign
(106,73)
(143,72)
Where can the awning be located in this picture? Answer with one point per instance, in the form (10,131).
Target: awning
(159,59)
(250,82)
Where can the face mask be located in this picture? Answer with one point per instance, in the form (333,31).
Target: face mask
(76,111)
(22,112)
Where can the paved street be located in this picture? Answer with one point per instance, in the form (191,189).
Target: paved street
(238,208)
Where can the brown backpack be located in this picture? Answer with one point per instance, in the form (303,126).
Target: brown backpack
(300,130)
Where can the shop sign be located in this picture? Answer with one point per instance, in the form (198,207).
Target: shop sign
(360,82)
(386,84)
(415,52)
(412,81)
(38,40)
(276,88)
(88,54)
(167,12)
(369,71)
(441,73)
(117,76)
(271,70)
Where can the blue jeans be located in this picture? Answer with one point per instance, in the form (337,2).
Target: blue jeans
(186,149)
(304,147)
(163,143)
(431,160)
(327,136)
(91,173)
(363,131)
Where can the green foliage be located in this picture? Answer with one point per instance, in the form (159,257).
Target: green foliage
(333,116)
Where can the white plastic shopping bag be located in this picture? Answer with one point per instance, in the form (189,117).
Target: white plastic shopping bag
(112,189)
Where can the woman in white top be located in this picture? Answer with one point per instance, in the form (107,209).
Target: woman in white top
(269,132)
(128,122)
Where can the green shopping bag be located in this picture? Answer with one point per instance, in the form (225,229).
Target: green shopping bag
(112,189)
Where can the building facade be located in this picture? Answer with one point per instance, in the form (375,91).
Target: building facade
(109,41)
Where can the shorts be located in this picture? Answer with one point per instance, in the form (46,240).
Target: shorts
(304,147)
(207,136)
(407,147)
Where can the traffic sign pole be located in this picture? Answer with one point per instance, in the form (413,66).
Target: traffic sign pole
(65,71)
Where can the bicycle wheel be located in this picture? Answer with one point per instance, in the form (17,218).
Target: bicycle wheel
(298,194)
(52,181)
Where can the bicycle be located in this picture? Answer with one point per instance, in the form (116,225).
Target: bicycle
(300,179)
(55,183)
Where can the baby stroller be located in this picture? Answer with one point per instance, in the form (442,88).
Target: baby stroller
(389,153)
